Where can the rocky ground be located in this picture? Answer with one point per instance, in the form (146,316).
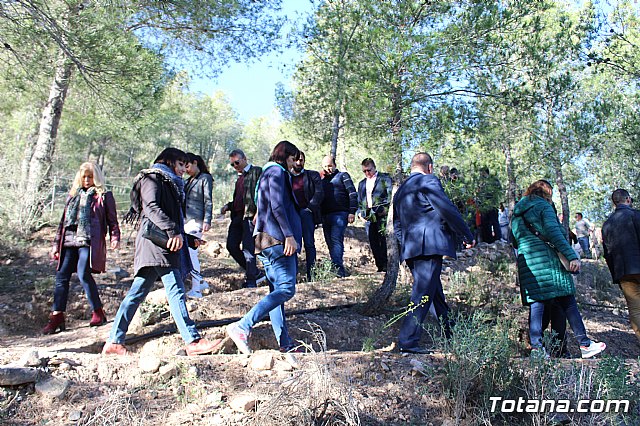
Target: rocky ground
(351,373)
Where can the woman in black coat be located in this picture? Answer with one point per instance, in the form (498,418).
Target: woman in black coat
(156,199)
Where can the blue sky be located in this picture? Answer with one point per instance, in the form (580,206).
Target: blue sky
(250,88)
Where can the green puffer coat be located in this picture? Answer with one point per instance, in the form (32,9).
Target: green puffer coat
(542,276)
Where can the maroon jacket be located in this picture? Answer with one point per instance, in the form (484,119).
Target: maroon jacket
(103,216)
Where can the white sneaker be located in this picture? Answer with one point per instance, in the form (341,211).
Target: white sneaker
(194,294)
(539,354)
(239,337)
(593,349)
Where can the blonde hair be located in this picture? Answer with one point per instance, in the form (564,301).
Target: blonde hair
(98,178)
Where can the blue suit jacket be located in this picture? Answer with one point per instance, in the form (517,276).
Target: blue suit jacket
(425,220)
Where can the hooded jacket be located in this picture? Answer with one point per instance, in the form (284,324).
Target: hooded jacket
(542,276)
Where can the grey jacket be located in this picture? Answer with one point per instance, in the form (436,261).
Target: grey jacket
(199,202)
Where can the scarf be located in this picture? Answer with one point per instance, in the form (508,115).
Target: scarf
(79,212)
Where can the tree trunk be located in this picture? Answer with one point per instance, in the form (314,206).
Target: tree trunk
(379,300)
(40,163)
(562,191)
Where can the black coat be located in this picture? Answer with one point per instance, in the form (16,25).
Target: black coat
(161,205)
(381,195)
(314,193)
(621,242)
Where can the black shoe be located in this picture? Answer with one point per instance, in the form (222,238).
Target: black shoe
(418,351)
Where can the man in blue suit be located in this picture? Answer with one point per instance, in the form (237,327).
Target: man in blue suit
(425,222)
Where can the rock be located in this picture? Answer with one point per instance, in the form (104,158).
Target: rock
(244,403)
(418,367)
(74,416)
(157,297)
(213,248)
(261,361)
(118,273)
(214,399)
(149,364)
(282,366)
(53,387)
(11,376)
(31,358)
(168,371)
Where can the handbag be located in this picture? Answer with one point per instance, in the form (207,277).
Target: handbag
(157,236)
(563,259)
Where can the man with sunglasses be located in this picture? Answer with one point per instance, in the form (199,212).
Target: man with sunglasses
(374,196)
(243,210)
(621,243)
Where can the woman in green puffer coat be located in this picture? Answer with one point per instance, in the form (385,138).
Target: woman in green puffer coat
(544,282)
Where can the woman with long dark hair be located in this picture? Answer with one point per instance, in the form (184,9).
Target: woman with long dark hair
(198,213)
(278,235)
(156,204)
(80,245)
(545,284)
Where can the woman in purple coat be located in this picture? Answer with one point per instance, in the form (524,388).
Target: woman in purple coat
(80,244)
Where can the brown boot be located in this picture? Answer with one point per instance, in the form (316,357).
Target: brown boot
(56,321)
(98,318)
(114,349)
(202,346)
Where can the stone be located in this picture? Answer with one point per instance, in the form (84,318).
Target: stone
(214,399)
(157,297)
(74,416)
(261,361)
(168,371)
(53,387)
(291,360)
(31,358)
(118,273)
(149,364)
(244,403)
(12,376)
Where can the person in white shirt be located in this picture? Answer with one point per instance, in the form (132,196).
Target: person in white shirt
(374,196)
(582,229)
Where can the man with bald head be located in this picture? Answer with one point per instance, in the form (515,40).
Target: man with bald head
(425,222)
(338,209)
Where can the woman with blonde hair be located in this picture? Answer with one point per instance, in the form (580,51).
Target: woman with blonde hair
(80,242)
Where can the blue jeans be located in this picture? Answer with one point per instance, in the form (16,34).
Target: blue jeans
(584,245)
(426,283)
(140,287)
(566,304)
(334,226)
(308,239)
(75,259)
(281,272)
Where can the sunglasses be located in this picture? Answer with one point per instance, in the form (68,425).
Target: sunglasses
(234,163)
(366,170)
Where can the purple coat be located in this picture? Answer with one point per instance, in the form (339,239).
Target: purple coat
(103,216)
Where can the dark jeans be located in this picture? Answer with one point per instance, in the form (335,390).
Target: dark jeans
(427,289)
(334,226)
(281,273)
(378,242)
(308,239)
(567,305)
(72,260)
(584,245)
(241,232)
(489,228)
(554,315)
